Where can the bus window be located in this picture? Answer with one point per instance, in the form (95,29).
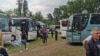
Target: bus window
(95,19)
(76,23)
(79,22)
(64,23)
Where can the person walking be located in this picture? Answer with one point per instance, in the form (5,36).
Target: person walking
(44,36)
(23,41)
(93,45)
(56,34)
(52,32)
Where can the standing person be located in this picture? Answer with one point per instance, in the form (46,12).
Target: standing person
(56,34)
(44,36)
(93,45)
(23,40)
(52,32)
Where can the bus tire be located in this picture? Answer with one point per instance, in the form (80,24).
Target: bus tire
(3,52)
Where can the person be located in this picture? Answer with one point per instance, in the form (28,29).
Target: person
(88,38)
(56,34)
(44,36)
(23,41)
(52,32)
(93,45)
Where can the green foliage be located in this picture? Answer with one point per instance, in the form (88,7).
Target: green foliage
(50,17)
(22,6)
(38,16)
(76,6)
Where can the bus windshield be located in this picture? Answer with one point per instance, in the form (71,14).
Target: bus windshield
(78,22)
(4,23)
(17,24)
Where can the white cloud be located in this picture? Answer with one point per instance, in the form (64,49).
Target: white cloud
(45,6)
(7,4)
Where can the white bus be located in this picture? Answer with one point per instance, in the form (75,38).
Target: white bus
(17,28)
(63,27)
(5,27)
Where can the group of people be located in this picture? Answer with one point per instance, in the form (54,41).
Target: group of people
(92,43)
(43,34)
(56,33)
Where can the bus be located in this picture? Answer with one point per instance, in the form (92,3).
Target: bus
(63,27)
(80,26)
(41,25)
(18,25)
(5,27)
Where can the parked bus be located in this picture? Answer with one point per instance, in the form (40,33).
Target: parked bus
(80,26)
(40,24)
(5,28)
(18,27)
(63,27)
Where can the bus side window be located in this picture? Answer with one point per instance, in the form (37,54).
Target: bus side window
(95,19)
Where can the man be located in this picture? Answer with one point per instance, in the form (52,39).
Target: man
(93,45)
(88,38)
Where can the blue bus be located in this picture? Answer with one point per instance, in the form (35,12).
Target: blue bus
(80,26)
(5,28)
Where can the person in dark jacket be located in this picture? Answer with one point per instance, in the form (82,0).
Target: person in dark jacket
(56,34)
(52,32)
(93,45)
(44,36)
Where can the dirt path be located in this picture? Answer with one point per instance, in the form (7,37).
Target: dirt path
(43,50)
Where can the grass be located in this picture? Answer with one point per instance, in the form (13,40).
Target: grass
(32,44)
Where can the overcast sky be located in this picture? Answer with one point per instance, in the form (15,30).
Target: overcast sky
(45,6)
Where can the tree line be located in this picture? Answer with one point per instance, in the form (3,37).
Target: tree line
(63,11)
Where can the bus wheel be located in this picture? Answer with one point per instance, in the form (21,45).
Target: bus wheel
(3,52)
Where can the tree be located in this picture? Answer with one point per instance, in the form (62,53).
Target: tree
(1,11)
(64,11)
(25,8)
(57,14)
(50,17)
(22,7)
(38,16)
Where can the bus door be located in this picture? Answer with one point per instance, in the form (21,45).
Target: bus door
(76,33)
(79,27)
